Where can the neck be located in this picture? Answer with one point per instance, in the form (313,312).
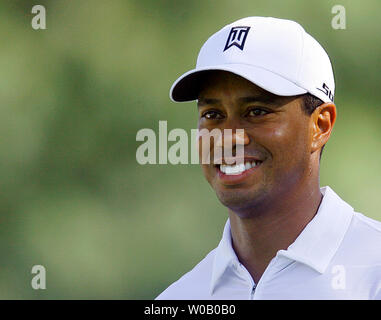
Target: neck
(256,239)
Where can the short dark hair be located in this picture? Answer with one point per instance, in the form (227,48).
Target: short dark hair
(310,103)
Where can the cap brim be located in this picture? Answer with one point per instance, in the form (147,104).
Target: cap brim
(187,87)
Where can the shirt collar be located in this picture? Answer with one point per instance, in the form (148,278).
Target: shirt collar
(315,246)
(224,258)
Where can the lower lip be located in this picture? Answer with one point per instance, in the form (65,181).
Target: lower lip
(236,178)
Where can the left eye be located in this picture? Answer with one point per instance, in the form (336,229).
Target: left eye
(257,112)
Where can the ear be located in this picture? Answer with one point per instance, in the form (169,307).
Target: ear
(323,119)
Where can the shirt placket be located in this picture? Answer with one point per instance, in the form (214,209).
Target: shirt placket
(277,263)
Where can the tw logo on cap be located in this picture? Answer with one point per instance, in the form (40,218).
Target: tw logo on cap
(237,37)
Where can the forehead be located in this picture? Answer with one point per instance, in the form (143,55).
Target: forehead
(223,80)
(220,84)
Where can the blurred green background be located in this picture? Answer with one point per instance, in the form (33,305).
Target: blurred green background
(73,96)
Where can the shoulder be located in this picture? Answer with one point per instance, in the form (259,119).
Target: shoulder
(365,230)
(363,239)
(193,285)
(361,253)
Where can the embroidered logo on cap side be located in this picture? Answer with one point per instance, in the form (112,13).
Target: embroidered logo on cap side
(326,91)
(237,37)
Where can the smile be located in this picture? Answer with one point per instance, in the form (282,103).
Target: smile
(238,168)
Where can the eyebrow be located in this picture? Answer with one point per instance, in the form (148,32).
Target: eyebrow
(268,99)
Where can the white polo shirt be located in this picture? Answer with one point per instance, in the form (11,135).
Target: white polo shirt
(336,256)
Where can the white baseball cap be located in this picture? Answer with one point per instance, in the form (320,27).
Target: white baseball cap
(275,54)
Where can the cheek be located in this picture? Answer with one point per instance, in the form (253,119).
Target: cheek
(205,145)
(209,174)
(287,143)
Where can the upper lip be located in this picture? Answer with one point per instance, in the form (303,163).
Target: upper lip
(233,160)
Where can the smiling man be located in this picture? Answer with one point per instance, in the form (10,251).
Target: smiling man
(286,237)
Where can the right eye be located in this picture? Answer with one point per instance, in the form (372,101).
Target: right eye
(212,115)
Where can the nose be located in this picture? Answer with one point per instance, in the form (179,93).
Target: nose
(232,144)
(230,138)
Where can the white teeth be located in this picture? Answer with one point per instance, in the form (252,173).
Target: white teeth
(237,169)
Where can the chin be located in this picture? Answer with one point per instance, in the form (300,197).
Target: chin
(244,203)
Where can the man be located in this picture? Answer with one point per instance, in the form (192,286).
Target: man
(285,238)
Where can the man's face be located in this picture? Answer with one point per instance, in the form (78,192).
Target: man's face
(277,138)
